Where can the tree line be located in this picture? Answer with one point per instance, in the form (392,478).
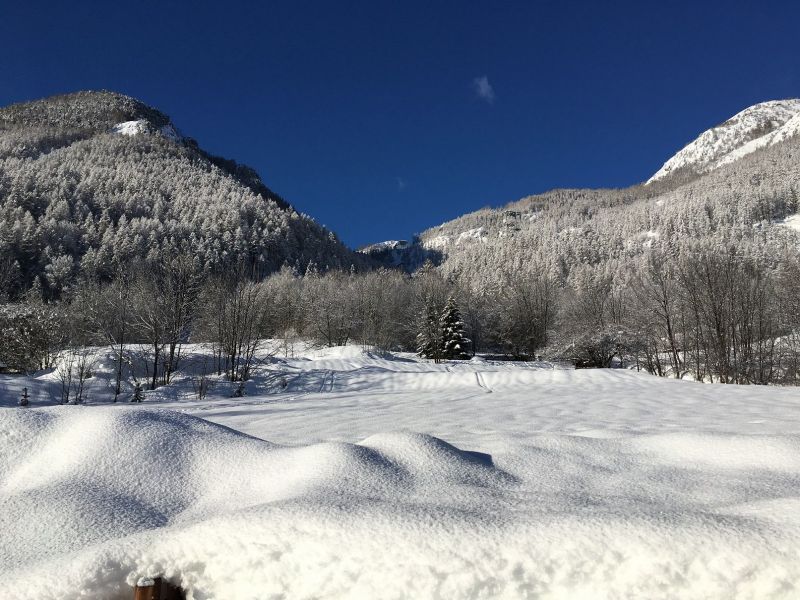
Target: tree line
(706,313)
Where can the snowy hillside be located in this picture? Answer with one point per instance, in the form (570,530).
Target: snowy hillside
(690,193)
(131,176)
(574,234)
(755,127)
(345,474)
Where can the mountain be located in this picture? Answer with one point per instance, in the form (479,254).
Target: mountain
(91,181)
(755,127)
(737,184)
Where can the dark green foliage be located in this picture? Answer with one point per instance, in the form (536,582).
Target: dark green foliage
(430,343)
(441,332)
(454,342)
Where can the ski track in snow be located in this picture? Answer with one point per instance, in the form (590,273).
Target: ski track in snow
(364,476)
(481,382)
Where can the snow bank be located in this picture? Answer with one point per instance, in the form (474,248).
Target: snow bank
(95,497)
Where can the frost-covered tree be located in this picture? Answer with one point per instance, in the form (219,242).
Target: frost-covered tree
(104,313)
(104,200)
(236,314)
(32,333)
(454,342)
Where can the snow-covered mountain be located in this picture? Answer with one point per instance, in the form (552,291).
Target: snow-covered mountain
(92,180)
(738,181)
(758,126)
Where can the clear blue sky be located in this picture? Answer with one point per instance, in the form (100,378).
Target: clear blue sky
(375,117)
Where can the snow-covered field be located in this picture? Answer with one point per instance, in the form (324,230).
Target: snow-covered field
(348,474)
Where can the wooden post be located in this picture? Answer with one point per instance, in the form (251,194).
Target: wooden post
(156,588)
(147,589)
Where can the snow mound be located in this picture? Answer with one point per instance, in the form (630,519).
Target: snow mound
(95,498)
(758,126)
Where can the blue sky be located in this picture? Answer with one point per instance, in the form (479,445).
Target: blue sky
(381,119)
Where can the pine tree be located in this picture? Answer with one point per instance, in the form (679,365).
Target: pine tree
(454,342)
(137,392)
(429,336)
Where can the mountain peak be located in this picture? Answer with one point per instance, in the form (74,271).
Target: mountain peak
(85,110)
(758,126)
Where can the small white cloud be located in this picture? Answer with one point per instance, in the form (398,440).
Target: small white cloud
(483,88)
(401,184)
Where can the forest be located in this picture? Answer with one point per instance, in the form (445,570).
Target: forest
(708,315)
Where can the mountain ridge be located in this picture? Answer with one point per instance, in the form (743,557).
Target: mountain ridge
(91,181)
(734,138)
(756,185)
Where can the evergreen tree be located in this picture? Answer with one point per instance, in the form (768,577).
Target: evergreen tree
(137,392)
(454,342)
(429,336)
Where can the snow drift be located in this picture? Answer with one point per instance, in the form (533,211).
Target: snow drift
(94,497)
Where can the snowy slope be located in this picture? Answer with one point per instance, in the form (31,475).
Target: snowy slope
(787,130)
(755,127)
(394,477)
(132,128)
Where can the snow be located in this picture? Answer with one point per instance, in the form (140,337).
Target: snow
(377,475)
(439,241)
(758,126)
(131,128)
(478,234)
(792,222)
(387,245)
(790,129)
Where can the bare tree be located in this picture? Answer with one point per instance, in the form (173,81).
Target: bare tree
(237,313)
(525,309)
(105,310)
(657,312)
